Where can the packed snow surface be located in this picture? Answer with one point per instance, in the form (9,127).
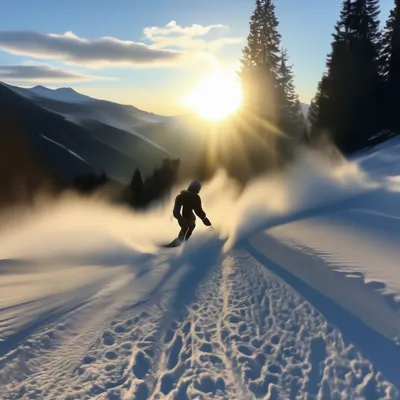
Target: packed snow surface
(293,294)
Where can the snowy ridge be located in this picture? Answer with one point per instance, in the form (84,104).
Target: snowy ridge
(278,301)
(67,95)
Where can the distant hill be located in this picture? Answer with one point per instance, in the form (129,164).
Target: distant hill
(70,145)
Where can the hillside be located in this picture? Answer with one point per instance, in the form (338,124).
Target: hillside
(69,148)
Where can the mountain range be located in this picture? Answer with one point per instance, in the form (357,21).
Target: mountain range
(72,134)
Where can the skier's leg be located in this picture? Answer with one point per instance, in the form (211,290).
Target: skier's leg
(182,234)
(184,230)
(190,230)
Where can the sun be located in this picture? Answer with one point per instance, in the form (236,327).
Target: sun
(215,97)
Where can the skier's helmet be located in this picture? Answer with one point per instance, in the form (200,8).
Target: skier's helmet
(194,187)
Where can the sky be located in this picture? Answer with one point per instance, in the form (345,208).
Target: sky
(151,53)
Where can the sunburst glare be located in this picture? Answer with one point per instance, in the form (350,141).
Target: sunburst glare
(215,97)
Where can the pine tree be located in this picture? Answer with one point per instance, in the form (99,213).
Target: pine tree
(369,85)
(136,189)
(267,79)
(291,117)
(137,181)
(333,116)
(367,31)
(313,111)
(373,12)
(260,61)
(390,68)
(348,106)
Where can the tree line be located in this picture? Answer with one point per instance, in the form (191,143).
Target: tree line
(357,96)
(140,193)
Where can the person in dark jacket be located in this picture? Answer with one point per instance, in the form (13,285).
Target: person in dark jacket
(187,204)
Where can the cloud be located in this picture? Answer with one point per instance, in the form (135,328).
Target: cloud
(170,45)
(68,47)
(189,38)
(173,28)
(43,73)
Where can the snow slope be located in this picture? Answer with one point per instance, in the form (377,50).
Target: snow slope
(294,293)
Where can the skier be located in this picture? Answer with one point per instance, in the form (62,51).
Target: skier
(190,203)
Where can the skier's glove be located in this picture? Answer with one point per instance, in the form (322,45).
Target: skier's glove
(206,222)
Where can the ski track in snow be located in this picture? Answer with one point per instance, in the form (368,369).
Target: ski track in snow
(63,147)
(223,328)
